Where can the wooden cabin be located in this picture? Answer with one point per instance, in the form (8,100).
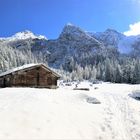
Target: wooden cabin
(30,75)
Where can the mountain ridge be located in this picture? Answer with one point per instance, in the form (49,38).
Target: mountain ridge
(73,41)
(77,54)
(70,32)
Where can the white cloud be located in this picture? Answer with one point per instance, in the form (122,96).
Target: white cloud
(134,29)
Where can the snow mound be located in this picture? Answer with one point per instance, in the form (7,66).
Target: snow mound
(135,94)
(84,84)
(89,99)
(93,100)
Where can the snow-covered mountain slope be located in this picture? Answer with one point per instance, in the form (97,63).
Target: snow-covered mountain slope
(29,113)
(23,36)
(25,41)
(126,44)
(111,37)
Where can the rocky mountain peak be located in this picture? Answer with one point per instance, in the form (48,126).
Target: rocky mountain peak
(71,32)
(114,33)
(26,35)
(23,35)
(111,30)
(109,37)
(70,29)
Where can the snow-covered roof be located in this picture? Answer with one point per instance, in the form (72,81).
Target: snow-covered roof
(26,67)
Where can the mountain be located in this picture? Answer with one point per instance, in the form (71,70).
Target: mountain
(17,49)
(74,43)
(109,55)
(111,37)
(25,41)
(72,40)
(73,33)
(22,36)
(125,45)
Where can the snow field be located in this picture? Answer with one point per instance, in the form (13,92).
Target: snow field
(64,113)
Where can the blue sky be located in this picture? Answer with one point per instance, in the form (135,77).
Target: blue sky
(48,17)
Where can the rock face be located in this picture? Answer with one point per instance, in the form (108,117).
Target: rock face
(109,37)
(124,44)
(73,33)
(72,42)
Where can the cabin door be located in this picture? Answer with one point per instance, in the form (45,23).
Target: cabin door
(49,80)
(4,82)
(37,80)
(7,82)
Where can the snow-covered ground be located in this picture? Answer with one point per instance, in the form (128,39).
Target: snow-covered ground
(64,113)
